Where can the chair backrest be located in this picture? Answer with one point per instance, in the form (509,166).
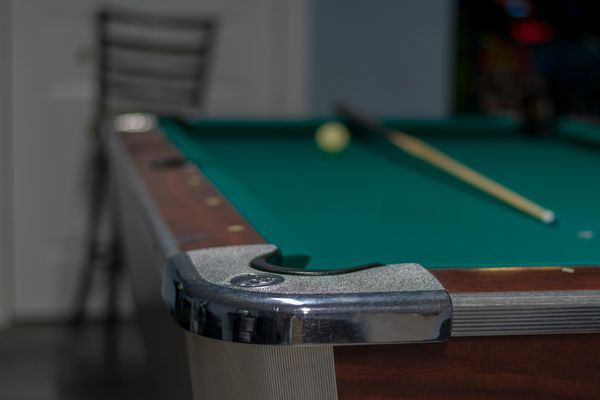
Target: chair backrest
(152,63)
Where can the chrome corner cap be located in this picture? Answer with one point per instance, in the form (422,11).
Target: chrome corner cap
(216,293)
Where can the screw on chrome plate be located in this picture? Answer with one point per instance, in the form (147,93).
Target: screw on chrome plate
(255,280)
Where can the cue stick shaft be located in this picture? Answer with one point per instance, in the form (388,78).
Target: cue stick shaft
(425,152)
(419,149)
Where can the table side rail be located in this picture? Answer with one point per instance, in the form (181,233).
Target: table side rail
(165,243)
(525,313)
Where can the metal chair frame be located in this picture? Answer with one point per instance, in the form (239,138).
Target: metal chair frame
(136,84)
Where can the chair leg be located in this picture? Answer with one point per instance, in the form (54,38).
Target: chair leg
(114,274)
(98,201)
(111,336)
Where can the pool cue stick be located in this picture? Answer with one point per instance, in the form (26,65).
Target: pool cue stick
(419,149)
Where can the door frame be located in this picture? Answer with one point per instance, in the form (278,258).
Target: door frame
(6,169)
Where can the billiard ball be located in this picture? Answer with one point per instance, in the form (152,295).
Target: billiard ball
(332,137)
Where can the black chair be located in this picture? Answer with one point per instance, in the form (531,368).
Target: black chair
(146,64)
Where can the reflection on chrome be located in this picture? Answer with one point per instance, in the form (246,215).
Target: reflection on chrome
(286,300)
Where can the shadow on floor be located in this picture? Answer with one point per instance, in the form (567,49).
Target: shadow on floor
(54,361)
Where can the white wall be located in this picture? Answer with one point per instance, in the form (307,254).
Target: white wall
(52,97)
(6,276)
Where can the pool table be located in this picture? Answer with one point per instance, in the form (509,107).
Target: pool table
(296,273)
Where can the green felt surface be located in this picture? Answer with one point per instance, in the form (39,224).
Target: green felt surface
(374,203)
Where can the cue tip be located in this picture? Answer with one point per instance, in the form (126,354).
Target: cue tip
(548,217)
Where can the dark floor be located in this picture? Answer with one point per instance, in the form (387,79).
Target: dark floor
(53,361)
